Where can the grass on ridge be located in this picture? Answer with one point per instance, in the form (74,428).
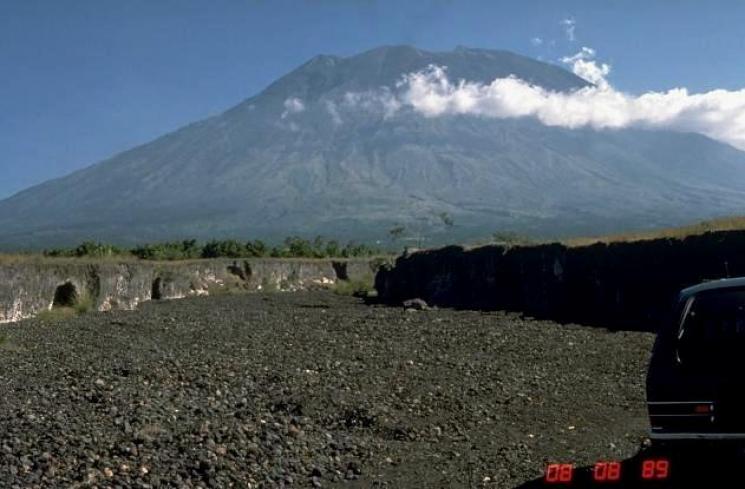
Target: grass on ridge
(735,223)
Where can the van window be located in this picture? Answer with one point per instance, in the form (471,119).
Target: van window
(712,329)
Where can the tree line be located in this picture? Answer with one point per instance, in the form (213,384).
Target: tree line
(291,247)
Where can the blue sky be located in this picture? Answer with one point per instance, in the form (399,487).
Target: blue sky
(81,80)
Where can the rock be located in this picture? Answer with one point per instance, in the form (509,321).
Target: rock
(415,304)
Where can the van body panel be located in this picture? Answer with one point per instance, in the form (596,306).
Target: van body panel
(696,376)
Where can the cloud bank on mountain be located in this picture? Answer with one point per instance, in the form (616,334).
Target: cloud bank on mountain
(719,114)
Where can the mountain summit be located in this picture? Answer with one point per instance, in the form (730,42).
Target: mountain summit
(331,75)
(329,149)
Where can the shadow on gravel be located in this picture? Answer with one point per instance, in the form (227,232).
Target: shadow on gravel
(649,326)
(660,469)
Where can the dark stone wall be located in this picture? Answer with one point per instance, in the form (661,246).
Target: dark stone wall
(620,285)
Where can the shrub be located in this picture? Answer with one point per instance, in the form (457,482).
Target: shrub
(292,247)
(57,314)
(356,250)
(299,248)
(67,305)
(358,287)
(256,248)
(83,304)
(87,249)
(223,249)
(332,248)
(269,285)
(57,252)
(181,250)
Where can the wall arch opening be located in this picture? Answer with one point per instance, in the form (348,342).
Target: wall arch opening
(66,295)
(156,292)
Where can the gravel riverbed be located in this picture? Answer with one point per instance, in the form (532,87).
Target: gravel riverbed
(311,389)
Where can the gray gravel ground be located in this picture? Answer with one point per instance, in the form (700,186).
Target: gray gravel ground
(310,390)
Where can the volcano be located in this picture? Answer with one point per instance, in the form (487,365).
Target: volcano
(328,150)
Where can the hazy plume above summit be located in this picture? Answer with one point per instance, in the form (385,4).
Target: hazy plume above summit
(336,148)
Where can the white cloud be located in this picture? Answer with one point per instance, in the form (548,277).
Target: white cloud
(536,41)
(719,114)
(333,112)
(382,101)
(293,105)
(569,25)
(584,66)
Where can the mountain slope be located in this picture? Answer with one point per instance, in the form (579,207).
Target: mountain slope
(321,151)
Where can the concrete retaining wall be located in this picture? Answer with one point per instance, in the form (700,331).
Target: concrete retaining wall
(29,287)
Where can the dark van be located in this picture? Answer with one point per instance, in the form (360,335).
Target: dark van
(696,378)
